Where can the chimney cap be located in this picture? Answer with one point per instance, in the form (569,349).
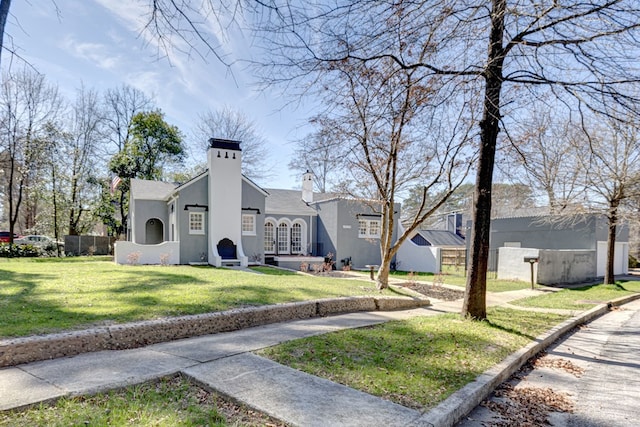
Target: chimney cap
(225,144)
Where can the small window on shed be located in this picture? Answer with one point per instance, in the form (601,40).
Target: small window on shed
(419,240)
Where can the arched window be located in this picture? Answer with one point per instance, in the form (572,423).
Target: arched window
(269,237)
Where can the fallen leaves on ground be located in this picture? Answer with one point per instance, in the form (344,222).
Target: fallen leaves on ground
(559,363)
(526,406)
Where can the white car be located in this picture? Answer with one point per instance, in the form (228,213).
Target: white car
(36,240)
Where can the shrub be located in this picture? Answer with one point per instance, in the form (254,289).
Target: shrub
(22,251)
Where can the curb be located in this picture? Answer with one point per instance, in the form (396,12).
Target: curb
(16,351)
(453,409)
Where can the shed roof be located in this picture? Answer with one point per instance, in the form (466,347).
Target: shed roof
(441,238)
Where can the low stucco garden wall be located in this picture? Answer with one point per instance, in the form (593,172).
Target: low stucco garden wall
(566,266)
(16,351)
(167,253)
(553,266)
(511,265)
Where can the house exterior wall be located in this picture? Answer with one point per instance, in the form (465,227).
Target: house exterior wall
(620,259)
(327,228)
(193,247)
(253,245)
(362,251)
(338,224)
(602,230)
(532,232)
(146,210)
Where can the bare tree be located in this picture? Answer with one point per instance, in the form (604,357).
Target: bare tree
(386,126)
(228,123)
(579,53)
(610,159)
(27,104)
(540,154)
(120,105)
(85,137)
(321,154)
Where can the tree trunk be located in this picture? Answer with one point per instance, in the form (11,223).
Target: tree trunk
(609,278)
(382,278)
(475,294)
(4,13)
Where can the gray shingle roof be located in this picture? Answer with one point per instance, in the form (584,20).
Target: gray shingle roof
(143,189)
(286,202)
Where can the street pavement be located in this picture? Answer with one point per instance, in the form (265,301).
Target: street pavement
(596,370)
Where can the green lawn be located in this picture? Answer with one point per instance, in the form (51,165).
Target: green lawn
(42,295)
(168,402)
(418,362)
(456,277)
(581,298)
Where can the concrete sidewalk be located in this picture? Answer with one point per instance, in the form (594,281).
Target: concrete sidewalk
(224,362)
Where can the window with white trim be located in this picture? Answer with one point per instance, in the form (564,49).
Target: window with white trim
(196,222)
(369,228)
(269,237)
(296,238)
(248,225)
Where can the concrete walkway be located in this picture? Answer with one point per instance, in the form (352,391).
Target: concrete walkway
(225,363)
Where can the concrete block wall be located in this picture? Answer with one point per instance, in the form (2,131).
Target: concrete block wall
(566,266)
(511,265)
(553,266)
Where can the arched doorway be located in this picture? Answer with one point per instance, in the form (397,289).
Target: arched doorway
(153,232)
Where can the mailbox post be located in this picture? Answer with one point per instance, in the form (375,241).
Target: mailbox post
(531,260)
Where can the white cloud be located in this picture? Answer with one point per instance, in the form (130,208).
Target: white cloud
(96,53)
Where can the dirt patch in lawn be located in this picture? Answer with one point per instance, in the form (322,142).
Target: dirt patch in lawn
(434,291)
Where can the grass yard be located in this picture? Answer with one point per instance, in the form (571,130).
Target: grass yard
(40,295)
(581,298)
(456,277)
(168,402)
(418,362)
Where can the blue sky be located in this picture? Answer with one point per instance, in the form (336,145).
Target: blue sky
(97,43)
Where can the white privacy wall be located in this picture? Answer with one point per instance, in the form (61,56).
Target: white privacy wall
(511,265)
(133,253)
(412,257)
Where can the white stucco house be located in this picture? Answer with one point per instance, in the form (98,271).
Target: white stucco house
(223,218)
